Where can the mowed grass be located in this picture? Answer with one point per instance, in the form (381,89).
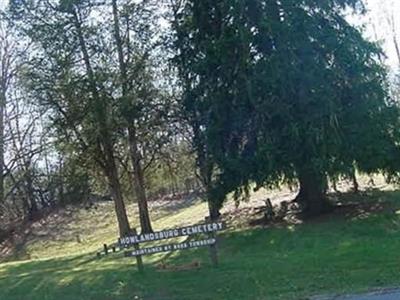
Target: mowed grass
(331,255)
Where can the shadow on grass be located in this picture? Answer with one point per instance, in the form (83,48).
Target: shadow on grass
(348,205)
(341,253)
(50,227)
(67,225)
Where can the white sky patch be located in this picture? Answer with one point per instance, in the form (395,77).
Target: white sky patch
(377,26)
(3,3)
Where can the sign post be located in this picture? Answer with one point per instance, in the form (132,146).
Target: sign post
(213,247)
(139,260)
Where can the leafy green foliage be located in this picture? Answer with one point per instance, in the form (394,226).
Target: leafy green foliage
(285,89)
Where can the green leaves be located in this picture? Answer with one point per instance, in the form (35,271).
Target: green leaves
(283,85)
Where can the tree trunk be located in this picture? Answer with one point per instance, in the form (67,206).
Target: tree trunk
(138,174)
(60,183)
(334,185)
(355,182)
(33,207)
(2,109)
(312,194)
(206,167)
(116,194)
(139,185)
(213,210)
(105,140)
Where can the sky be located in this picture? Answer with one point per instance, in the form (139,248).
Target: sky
(376,26)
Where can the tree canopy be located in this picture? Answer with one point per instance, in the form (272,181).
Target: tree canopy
(285,91)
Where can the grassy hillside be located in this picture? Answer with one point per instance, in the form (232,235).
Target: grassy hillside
(354,249)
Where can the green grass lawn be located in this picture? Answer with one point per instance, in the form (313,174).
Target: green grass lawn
(334,254)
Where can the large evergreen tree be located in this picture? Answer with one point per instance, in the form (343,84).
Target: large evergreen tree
(285,91)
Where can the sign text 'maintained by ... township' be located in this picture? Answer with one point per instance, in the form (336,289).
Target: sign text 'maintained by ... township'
(171,233)
(171,247)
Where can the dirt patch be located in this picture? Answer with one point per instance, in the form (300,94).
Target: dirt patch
(346,205)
